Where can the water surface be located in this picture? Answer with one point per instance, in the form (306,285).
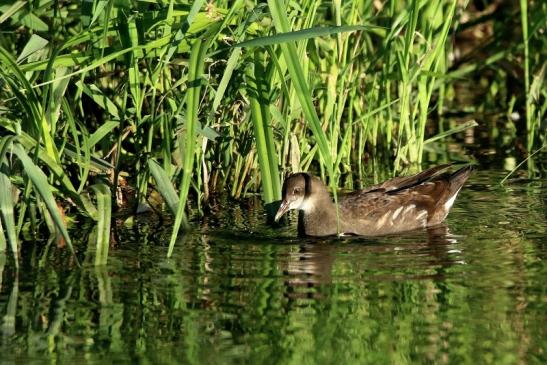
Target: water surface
(238,291)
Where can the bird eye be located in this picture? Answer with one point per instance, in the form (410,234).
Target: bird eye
(296,191)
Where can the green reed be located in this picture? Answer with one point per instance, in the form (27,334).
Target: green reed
(524,22)
(120,98)
(260,116)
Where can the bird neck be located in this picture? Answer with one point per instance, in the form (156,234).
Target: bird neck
(318,216)
(317,198)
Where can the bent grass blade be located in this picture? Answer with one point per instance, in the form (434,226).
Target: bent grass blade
(41,185)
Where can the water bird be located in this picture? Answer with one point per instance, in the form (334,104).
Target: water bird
(396,205)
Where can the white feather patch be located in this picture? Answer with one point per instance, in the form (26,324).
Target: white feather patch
(422,214)
(397,212)
(409,208)
(450,201)
(382,220)
(307,205)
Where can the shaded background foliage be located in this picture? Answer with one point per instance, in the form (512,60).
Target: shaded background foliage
(120,94)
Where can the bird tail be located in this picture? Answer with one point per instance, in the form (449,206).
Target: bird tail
(458,178)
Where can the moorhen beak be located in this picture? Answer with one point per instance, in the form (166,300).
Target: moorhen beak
(283,208)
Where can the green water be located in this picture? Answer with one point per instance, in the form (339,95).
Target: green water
(238,291)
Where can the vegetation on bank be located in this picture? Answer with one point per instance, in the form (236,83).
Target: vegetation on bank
(102,101)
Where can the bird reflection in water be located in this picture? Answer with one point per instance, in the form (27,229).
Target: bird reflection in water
(309,270)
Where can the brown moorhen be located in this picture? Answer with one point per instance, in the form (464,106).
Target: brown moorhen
(396,205)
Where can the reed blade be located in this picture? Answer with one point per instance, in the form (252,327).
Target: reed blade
(104,216)
(41,185)
(195,70)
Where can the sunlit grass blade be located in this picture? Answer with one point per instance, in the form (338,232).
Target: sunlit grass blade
(165,188)
(133,66)
(226,77)
(101,132)
(104,212)
(7,216)
(525,41)
(34,44)
(534,108)
(457,129)
(302,34)
(259,104)
(195,70)
(56,94)
(98,97)
(13,9)
(41,185)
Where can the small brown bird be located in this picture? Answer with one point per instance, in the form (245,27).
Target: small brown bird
(396,205)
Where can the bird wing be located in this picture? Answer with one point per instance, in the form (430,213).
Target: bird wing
(394,210)
(401,182)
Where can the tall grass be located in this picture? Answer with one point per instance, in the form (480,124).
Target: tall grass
(197,98)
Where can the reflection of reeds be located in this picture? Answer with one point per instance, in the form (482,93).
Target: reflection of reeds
(422,297)
(229,97)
